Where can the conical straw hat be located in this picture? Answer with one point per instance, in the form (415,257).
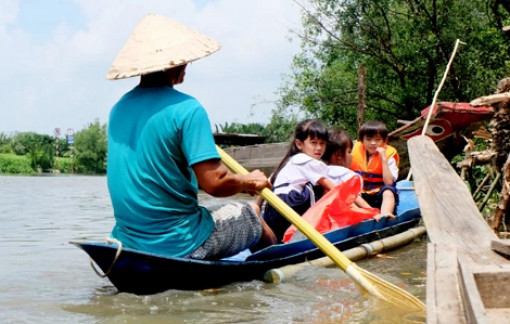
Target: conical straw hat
(158,44)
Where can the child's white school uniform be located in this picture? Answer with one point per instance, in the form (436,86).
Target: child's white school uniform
(339,174)
(293,185)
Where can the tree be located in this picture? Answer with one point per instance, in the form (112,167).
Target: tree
(5,146)
(41,156)
(91,148)
(239,128)
(281,126)
(23,142)
(404,46)
(40,149)
(279,129)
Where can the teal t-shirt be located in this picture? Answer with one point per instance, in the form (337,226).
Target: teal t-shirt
(155,135)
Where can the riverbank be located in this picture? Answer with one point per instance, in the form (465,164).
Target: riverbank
(12,164)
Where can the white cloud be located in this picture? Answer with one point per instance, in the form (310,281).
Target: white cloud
(59,81)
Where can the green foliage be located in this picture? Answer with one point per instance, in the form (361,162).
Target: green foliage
(41,156)
(14,164)
(404,46)
(22,143)
(91,148)
(238,128)
(4,139)
(281,126)
(6,149)
(475,177)
(65,165)
(279,129)
(40,149)
(63,148)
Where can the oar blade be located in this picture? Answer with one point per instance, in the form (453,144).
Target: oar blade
(391,293)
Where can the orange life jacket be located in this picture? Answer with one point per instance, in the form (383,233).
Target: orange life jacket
(370,171)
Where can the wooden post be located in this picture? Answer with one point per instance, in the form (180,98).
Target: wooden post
(56,132)
(505,198)
(361,94)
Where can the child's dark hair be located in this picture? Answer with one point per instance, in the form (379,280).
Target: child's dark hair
(339,140)
(372,128)
(307,128)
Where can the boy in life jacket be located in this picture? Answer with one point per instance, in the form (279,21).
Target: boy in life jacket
(377,163)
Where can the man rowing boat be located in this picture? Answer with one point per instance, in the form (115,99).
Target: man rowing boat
(161,151)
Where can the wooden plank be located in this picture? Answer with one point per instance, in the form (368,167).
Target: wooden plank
(498,315)
(443,295)
(274,150)
(487,292)
(447,208)
(464,275)
(470,296)
(260,163)
(490,281)
(501,246)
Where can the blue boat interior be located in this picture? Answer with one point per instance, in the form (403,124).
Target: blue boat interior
(407,210)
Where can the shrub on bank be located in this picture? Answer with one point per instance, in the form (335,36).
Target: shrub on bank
(65,165)
(14,164)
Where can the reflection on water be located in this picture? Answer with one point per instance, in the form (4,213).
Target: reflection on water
(46,280)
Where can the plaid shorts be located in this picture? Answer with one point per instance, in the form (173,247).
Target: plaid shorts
(237,227)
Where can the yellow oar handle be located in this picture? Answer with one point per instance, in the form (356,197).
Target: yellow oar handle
(311,233)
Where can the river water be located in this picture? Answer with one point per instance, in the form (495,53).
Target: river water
(44,279)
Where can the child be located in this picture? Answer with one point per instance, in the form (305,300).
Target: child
(377,163)
(343,206)
(338,156)
(300,169)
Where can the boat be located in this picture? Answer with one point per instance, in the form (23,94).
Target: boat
(468,265)
(449,121)
(144,273)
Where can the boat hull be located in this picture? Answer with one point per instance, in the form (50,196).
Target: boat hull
(146,273)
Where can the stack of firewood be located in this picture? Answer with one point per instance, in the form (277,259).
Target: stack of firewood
(498,152)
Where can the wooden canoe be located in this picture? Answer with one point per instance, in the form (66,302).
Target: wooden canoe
(468,266)
(146,273)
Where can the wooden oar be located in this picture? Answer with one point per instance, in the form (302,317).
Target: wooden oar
(370,282)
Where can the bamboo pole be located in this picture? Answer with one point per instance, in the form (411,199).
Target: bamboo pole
(436,94)
(363,251)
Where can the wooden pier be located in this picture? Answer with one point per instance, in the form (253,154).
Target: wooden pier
(264,157)
(238,139)
(467,280)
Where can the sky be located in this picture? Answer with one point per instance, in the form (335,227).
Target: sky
(55,54)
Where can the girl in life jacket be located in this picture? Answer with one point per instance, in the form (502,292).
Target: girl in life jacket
(339,157)
(377,163)
(301,178)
